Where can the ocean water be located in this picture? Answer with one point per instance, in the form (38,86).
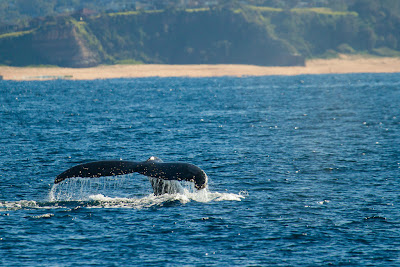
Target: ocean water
(303,170)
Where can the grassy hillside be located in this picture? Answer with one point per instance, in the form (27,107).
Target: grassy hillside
(245,35)
(199,36)
(182,37)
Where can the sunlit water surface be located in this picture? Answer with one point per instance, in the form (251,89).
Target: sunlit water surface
(303,170)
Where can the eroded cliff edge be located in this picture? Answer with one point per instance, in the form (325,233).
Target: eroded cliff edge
(62,43)
(167,37)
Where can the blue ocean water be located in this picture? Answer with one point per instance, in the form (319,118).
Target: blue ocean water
(303,170)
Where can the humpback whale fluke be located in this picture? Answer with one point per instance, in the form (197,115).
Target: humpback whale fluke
(153,167)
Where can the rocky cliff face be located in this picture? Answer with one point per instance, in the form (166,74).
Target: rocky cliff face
(62,45)
(206,37)
(209,37)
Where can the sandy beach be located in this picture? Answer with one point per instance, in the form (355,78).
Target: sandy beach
(343,64)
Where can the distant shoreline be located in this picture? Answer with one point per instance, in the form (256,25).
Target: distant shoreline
(343,64)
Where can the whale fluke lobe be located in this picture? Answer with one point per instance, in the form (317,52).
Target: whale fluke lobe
(153,167)
(98,169)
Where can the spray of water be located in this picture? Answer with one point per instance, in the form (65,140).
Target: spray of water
(120,192)
(79,189)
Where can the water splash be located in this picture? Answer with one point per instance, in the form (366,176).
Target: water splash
(17,205)
(161,186)
(80,189)
(119,192)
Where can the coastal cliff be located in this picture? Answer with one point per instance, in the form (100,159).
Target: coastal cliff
(198,37)
(169,37)
(228,33)
(61,44)
(64,45)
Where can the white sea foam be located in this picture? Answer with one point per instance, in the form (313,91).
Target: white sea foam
(101,201)
(47,215)
(118,193)
(16,205)
(114,193)
(152,200)
(26,205)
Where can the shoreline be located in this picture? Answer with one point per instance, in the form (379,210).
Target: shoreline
(343,64)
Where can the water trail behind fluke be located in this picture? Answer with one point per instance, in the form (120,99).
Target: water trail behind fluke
(122,192)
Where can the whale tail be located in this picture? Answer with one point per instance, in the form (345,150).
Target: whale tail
(153,167)
(98,169)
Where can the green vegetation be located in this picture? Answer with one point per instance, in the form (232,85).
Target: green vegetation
(324,11)
(386,52)
(15,34)
(126,13)
(128,62)
(265,8)
(129,13)
(197,9)
(268,32)
(42,66)
(83,32)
